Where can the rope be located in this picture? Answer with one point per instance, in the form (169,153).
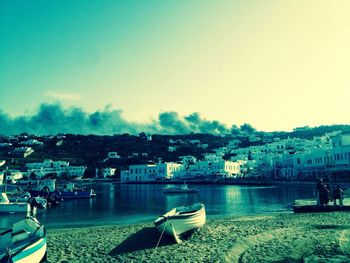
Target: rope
(4,245)
(161,235)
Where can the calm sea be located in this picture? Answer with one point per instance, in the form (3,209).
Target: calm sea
(136,203)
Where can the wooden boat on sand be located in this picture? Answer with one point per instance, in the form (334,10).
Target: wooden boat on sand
(181,220)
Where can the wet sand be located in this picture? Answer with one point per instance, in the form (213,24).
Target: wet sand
(319,237)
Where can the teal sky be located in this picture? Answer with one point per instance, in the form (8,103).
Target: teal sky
(274,64)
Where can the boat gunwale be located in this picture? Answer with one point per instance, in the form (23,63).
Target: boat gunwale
(163,219)
(27,243)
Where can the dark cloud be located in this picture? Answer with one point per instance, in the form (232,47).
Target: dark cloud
(53,119)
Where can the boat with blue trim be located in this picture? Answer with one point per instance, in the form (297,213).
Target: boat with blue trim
(48,188)
(24,242)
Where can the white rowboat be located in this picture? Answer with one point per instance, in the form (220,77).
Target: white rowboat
(181,220)
(24,242)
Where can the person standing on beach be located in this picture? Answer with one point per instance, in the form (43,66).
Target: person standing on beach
(338,194)
(324,195)
(319,186)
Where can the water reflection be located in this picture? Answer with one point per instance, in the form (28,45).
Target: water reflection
(125,204)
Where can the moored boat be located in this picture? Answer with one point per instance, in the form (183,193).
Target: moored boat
(12,207)
(25,197)
(24,242)
(48,188)
(182,220)
(179,189)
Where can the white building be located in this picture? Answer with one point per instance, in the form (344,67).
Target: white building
(340,145)
(322,157)
(168,169)
(47,164)
(150,172)
(60,168)
(210,169)
(105,172)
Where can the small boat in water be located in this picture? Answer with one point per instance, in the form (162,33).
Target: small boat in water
(12,207)
(25,197)
(182,221)
(47,188)
(24,242)
(179,189)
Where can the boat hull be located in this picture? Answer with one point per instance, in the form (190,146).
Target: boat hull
(33,253)
(181,224)
(14,208)
(24,242)
(63,194)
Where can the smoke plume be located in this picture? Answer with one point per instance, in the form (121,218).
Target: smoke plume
(53,118)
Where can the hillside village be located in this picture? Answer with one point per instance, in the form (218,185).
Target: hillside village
(304,154)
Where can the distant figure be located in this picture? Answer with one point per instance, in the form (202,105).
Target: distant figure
(319,186)
(32,203)
(338,194)
(324,195)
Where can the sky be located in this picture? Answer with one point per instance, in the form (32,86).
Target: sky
(273,64)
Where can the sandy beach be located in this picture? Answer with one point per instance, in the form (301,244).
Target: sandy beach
(322,237)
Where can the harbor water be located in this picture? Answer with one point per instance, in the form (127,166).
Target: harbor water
(139,203)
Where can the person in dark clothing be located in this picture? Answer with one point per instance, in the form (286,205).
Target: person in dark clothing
(324,195)
(338,194)
(319,186)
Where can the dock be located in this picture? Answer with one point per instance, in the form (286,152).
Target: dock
(310,206)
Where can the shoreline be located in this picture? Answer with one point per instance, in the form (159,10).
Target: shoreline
(279,237)
(237,182)
(150,221)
